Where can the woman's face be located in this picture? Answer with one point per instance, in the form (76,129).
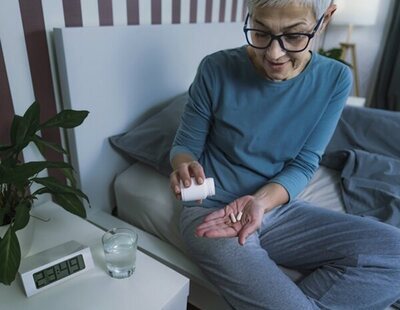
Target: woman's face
(274,62)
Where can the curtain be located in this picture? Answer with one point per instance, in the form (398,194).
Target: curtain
(386,93)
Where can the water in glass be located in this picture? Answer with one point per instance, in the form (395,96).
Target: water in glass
(120,254)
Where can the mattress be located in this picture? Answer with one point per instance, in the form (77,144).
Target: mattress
(144,199)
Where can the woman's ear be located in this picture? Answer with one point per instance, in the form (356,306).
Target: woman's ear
(327,16)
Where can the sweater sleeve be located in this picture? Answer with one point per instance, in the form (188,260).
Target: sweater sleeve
(297,173)
(195,122)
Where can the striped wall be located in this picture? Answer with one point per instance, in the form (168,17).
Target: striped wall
(27,60)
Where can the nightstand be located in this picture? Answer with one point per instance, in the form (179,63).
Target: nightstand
(152,286)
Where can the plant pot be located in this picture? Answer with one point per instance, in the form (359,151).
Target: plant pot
(25,236)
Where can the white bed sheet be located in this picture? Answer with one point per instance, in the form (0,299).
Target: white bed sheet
(145,201)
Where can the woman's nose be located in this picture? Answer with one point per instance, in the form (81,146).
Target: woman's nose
(275,51)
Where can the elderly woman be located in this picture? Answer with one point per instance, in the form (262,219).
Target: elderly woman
(258,120)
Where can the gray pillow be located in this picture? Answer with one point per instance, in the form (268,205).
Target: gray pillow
(371,130)
(151,141)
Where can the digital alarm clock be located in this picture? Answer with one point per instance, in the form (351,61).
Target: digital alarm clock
(53,266)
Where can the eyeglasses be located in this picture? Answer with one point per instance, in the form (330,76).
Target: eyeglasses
(290,42)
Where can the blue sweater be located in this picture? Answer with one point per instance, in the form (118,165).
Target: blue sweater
(247,131)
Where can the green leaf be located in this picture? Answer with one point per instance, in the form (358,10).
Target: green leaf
(7,152)
(69,174)
(43,144)
(66,119)
(58,188)
(32,117)
(6,167)
(40,191)
(9,162)
(5,147)
(10,256)
(23,172)
(23,128)
(3,212)
(21,215)
(14,128)
(2,173)
(334,53)
(71,203)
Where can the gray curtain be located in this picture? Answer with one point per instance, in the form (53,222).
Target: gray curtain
(387,89)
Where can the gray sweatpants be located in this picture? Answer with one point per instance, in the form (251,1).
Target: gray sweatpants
(352,262)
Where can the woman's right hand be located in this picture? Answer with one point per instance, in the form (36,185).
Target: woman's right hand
(184,172)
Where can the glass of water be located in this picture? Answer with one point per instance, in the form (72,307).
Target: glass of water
(120,246)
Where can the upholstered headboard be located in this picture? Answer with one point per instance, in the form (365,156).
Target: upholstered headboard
(118,74)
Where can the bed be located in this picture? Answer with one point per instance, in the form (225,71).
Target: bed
(133,81)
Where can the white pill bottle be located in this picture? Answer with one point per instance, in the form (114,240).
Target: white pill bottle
(198,191)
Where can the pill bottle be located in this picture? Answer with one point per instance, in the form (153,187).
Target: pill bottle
(198,191)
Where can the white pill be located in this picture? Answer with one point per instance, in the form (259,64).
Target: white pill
(239,216)
(233,218)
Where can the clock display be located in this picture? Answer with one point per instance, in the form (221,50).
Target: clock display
(58,271)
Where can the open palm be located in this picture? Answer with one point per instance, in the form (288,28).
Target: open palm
(218,224)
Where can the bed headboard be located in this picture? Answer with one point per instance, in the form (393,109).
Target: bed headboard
(119,73)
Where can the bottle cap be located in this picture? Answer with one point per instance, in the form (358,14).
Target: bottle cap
(210,186)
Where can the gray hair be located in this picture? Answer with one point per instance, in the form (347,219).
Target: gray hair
(319,6)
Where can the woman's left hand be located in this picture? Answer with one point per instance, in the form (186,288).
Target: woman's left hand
(221,223)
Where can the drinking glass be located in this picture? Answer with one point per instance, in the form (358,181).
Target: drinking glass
(120,246)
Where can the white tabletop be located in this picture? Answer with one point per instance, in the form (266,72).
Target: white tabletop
(152,286)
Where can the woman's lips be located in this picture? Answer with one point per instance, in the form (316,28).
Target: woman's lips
(276,65)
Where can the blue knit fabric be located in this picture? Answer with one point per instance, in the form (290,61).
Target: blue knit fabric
(247,131)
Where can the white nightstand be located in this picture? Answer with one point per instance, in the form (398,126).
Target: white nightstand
(152,286)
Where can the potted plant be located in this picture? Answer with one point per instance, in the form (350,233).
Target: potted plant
(16,179)
(334,53)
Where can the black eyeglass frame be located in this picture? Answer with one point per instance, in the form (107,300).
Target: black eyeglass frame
(279,36)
